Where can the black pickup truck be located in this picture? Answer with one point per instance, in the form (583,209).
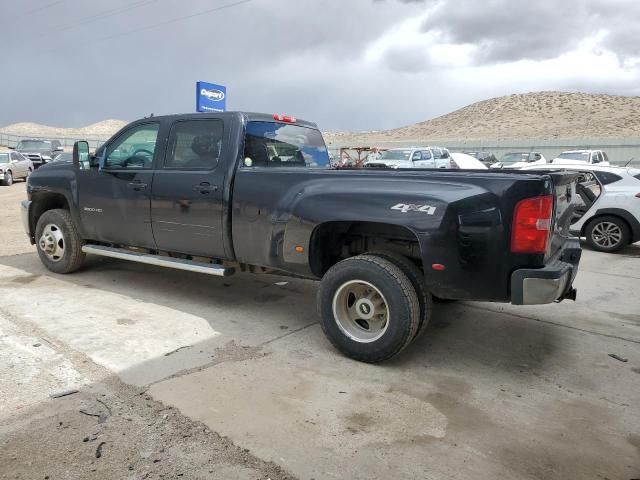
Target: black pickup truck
(214,193)
(39,151)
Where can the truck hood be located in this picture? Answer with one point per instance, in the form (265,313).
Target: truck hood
(390,163)
(569,161)
(508,165)
(34,151)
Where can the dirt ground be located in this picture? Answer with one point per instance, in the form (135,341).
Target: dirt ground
(181,375)
(106,430)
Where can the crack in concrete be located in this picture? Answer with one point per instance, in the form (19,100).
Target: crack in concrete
(549,322)
(229,353)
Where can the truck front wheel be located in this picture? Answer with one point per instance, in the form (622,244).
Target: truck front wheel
(368,308)
(58,242)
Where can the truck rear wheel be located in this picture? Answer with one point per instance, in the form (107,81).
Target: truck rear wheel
(416,277)
(58,242)
(368,308)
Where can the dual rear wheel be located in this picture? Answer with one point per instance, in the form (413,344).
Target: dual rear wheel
(373,305)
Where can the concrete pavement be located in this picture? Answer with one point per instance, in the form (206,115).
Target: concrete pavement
(490,391)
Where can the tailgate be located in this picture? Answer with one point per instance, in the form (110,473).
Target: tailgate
(566,198)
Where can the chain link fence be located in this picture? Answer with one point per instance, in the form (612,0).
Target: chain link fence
(11,140)
(619,150)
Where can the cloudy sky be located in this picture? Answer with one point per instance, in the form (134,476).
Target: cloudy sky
(346,64)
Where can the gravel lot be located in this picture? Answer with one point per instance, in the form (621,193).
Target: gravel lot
(184,376)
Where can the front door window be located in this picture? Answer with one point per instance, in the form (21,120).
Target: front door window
(134,149)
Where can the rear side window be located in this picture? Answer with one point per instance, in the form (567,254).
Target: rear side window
(606,178)
(275,144)
(194,145)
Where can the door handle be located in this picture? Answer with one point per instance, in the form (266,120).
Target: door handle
(137,185)
(205,187)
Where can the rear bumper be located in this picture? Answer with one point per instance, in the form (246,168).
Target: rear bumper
(552,283)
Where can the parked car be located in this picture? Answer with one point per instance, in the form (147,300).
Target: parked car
(609,214)
(592,157)
(487,158)
(412,157)
(519,160)
(467,162)
(39,151)
(13,166)
(206,195)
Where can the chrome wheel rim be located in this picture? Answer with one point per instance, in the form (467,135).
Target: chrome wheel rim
(360,311)
(8,178)
(52,242)
(606,234)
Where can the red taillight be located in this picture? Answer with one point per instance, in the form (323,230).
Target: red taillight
(284,118)
(531,224)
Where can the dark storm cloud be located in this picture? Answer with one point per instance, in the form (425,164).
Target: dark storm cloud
(509,30)
(80,62)
(73,62)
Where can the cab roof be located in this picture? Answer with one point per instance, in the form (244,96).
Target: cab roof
(248,116)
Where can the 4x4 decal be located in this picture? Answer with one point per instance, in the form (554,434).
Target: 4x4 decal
(410,207)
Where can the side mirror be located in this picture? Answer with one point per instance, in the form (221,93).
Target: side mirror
(58,149)
(80,153)
(445,155)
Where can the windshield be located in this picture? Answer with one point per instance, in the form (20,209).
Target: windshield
(515,157)
(274,144)
(584,156)
(4,158)
(37,144)
(395,155)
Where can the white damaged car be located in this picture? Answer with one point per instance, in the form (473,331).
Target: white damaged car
(519,160)
(609,214)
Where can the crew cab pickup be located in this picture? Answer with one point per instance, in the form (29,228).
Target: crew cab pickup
(39,151)
(219,192)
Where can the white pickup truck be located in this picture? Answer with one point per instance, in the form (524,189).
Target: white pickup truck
(591,157)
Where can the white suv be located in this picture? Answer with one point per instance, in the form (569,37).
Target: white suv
(609,211)
(592,157)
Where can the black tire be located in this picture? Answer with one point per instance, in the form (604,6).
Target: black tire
(29,172)
(398,298)
(8,179)
(416,277)
(607,233)
(71,256)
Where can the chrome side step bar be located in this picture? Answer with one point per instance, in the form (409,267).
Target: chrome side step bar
(177,263)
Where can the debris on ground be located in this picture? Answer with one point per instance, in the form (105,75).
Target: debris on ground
(618,357)
(99,449)
(63,393)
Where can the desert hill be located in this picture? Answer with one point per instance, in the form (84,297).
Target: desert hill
(103,129)
(539,115)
